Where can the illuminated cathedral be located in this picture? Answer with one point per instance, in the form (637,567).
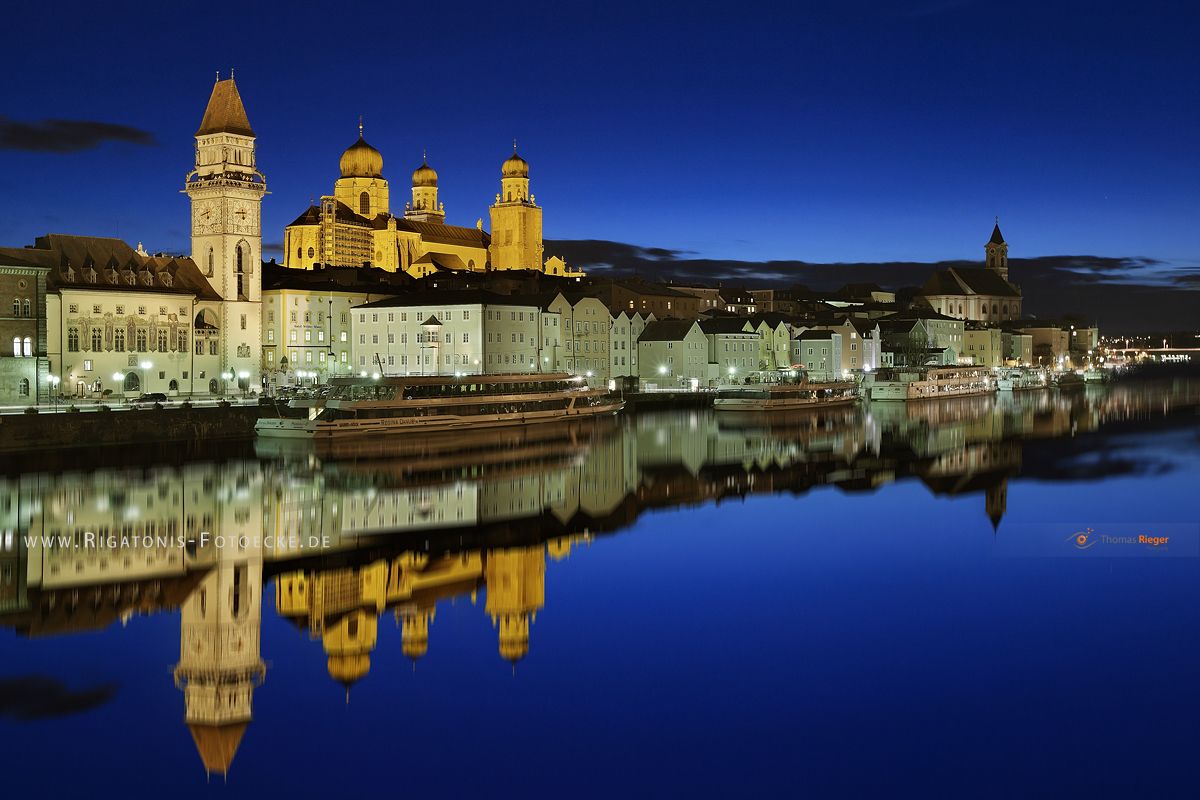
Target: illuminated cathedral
(355,226)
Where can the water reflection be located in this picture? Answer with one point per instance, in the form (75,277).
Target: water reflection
(396,528)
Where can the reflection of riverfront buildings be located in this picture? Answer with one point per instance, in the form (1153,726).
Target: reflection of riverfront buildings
(405,535)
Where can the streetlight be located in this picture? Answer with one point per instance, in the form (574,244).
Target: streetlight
(54,382)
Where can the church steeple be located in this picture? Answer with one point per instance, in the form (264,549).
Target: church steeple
(996,252)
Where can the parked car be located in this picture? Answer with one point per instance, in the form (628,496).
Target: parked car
(151,397)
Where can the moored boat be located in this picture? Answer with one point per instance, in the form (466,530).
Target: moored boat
(785,397)
(928,383)
(372,406)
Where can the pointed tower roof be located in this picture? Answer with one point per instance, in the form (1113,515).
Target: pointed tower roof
(217,744)
(997,237)
(225,112)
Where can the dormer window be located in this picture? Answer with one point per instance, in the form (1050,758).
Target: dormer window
(166,279)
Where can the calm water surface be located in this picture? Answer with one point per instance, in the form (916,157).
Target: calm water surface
(886,601)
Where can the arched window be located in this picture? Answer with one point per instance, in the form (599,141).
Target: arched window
(97,344)
(214,387)
(173,386)
(16,307)
(299,252)
(72,340)
(141,340)
(132,382)
(994,307)
(364,204)
(28,346)
(16,345)
(210,261)
(241,274)
(162,341)
(23,387)
(28,308)
(119,340)
(311,252)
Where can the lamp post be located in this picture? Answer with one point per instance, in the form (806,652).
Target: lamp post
(54,382)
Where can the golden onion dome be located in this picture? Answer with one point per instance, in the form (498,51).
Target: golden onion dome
(361,161)
(424,175)
(515,167)
(346,669)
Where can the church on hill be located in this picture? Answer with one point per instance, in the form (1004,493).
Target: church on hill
(356,227)
(977,295)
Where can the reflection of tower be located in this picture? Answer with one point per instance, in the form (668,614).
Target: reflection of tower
(515,591)
(414,630)
(342,606)
(997,502)
(219,663)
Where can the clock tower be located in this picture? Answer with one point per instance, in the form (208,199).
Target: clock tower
(226,190)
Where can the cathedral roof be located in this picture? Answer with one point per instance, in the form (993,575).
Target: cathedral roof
(997,237)
(441,234)
(225,112)
(217,744)
(101,263)
(966,281)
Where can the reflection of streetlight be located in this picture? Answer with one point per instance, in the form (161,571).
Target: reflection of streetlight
(243,377)
(54,382)
(145,365)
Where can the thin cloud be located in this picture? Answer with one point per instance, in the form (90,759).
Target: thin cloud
(67,135)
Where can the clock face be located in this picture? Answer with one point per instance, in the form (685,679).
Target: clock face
(204,218)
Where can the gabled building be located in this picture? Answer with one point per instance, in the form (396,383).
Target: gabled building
(673,354)
(819,352)
(733,349)
(624,333)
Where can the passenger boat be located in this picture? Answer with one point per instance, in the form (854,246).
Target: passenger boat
(931,383)
(373,406)
(1019,380)
(785,397)
(1096,375)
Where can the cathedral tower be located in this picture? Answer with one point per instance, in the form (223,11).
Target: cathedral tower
(516,220)
(997,252)
(362,187)
(226,190)
(425,206)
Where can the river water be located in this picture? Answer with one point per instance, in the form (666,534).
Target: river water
(983,597)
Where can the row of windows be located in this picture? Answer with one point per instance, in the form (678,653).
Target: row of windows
(22,347)
(140,341)
(22,307)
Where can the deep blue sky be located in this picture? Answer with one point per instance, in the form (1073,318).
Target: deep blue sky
(828,131)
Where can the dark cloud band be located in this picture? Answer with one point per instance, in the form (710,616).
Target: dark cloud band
(67,135)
